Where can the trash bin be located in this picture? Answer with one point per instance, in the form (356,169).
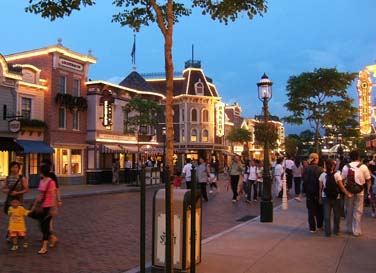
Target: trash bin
(182,229)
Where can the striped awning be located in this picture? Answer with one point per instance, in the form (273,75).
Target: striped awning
(112,149)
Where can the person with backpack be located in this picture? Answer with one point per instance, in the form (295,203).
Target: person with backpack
(356,175)
(311,187)
(331,186)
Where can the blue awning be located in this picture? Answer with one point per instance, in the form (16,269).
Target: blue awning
(35,147)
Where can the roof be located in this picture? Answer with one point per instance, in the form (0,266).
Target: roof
(135,81)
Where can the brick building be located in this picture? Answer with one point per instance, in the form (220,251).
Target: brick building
(65,105)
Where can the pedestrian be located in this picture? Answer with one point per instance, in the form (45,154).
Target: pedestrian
(260,173)
(177,180)
(187,172)
(277,177)
(202,173)
(245,189)
(17,226)
(356,175)
(311,185)
(127,170)
(213,179)
(297,172)
(288,164)
(236,170)
(331,186)
(54,210)
(115,170)
(46,201)
(252,181)
(16,185)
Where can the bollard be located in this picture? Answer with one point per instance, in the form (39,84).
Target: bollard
(284,193)
(142,221)
(193,221)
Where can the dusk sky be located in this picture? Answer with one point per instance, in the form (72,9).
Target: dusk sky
(295,36)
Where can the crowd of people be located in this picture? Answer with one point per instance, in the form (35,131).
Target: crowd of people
(43,209)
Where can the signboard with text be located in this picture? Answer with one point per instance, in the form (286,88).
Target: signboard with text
(220,119)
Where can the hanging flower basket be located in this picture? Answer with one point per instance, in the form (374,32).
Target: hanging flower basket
(71,102)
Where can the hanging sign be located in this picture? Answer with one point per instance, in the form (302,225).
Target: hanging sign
(220,119)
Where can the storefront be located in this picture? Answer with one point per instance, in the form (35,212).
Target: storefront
(8,149)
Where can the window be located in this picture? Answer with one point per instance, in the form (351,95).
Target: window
(76,88)
(63,85)
(64,161)
(62,118)
(26,108)
(182,135)
(33,164)
(76,119)
(76,159)
(205,136)
(194,115)
(182,115)
(194,135)
(199,87)
(205,115)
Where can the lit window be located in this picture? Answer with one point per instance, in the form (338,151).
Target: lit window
(199,88)
(76,88)
(182,135)
(194,135)
(63,85)
(205,136)
(62,118)
(205,115)
(64,161)
(33,163)
(76,120)
(26,108)
(76,159)
(194,115)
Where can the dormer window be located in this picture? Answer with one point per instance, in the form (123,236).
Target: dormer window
(199,88)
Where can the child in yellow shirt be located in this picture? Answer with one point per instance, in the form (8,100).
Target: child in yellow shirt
(17,226)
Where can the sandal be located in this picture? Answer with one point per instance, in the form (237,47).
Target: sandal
(53,241)
(42,251)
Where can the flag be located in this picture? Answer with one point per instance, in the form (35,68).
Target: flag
(133,53)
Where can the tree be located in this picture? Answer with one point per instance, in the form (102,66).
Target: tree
(321,98)
(140,114)
(293,144)
(138,13)
(266,131)
(240,135)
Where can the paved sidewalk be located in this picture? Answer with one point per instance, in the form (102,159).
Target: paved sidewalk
(71,191)
(286,246)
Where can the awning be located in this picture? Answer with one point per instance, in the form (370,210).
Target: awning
(35,147)
(8,144)
(130,148)
(112,149)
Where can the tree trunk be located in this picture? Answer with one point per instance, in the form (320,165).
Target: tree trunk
(169,66)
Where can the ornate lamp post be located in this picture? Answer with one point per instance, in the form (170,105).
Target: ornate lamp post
(266,205)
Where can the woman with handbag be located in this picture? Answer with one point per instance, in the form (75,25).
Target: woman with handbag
(44,205)
(15,186)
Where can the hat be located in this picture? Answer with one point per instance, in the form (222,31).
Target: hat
(312,157)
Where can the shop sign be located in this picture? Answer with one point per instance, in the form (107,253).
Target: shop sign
(14,126)
(71,65)
(220,119)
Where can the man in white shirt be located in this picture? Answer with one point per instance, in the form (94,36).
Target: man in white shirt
(355,205)
(288,164)
(187,170)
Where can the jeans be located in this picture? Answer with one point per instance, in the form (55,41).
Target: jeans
(188,184)
(297,184)
(329,205)
(354,211)
(203,191)
(252,184)
(234,186)
(315,212)
(289,178)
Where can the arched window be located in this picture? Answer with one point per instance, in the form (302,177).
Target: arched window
(199,87)
(193,135)
(205,115)
(205,135)
(194,115)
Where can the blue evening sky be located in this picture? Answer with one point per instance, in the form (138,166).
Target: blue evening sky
(293,37)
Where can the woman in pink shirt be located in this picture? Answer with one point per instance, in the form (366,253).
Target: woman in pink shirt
(47,199)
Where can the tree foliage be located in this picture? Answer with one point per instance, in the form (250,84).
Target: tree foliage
(293,144)
(320,97)
(239,135)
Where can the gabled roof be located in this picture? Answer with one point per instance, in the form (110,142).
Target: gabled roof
(135,81)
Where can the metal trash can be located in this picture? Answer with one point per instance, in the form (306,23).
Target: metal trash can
(182,229)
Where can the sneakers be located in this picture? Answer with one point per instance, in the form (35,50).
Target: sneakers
(14,248)
(312,231)
(210,191)
(298,199)
(25,245)
(233,201)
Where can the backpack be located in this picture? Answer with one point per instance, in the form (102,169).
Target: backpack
(331,187)
(351,184)
(311,180)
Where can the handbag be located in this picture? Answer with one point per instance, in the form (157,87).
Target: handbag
(36,206)
(9,198)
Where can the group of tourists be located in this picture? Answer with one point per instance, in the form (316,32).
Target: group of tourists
(43,209)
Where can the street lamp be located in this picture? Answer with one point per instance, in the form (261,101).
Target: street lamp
(266,205)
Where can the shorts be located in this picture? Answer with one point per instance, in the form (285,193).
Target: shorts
(17,233)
